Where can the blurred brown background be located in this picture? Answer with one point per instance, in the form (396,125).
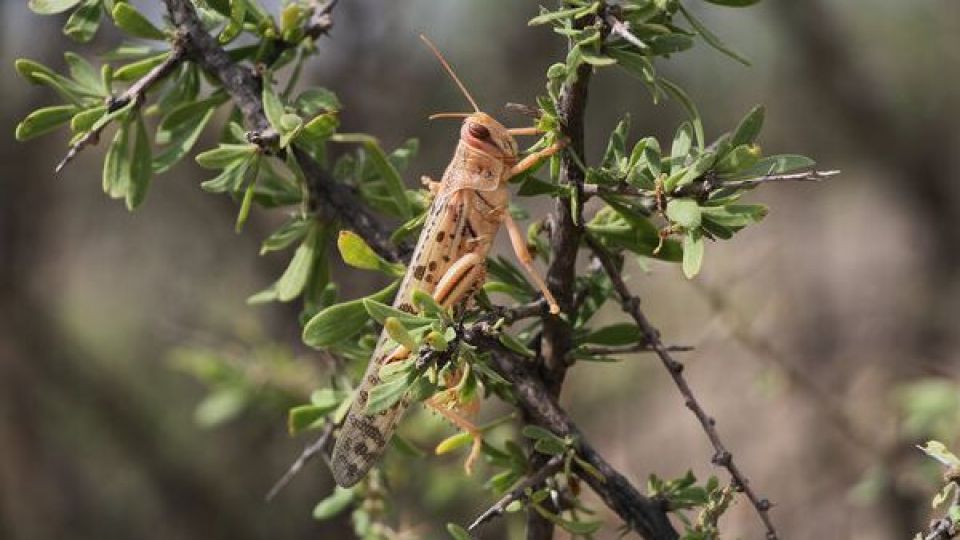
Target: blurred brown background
(808,327)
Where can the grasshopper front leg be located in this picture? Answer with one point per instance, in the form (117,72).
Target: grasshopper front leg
(533,159)
(519,243)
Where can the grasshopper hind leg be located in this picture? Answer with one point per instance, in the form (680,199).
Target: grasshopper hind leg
(364,438)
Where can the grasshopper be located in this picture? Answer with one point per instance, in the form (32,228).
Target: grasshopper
(469,206)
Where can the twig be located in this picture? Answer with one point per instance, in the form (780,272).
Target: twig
(640,347)
(622,30)
(806,176)
(134,94)
(244,86)
(317,447)
(704,186)
(640,513)
(321,22)
(722,457)
(941,529)
(549,468)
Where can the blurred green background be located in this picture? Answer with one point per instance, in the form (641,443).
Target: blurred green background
(826,336)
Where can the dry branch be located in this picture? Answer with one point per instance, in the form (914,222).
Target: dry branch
(722,457)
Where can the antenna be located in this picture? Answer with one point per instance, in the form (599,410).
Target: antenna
(435,116)
(449,69)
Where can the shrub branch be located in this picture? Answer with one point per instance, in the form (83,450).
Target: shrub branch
(722,457)
(332,198)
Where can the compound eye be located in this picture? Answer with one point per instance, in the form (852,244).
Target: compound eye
(479,131)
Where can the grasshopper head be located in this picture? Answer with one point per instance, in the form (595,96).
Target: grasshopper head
(481,132)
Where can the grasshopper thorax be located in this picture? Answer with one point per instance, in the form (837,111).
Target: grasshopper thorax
(483,133)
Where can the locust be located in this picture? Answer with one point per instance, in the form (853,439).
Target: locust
(470,204)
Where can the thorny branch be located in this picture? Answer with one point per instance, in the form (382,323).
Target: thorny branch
(319,447)
(566,229)
(134,94)
(722,457)
(642,347)
(642,514)
(245,88)
(531,482)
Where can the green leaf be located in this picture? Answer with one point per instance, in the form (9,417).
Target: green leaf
(84,120)
(84,74)
(315,101)
(340,322)
(304,417)
(681,147)
(328,398)
(614,335)
(699,167)
(247,201)
(389,174)
(320,128)
(290,126)
(28,69)
(358,254)
(337,502)
(458,532)
(452,443)
(116,164)
(681,97)
(182,138)
(426,304)
(84,22)
(140,167)
(740,158)
(749,127)
(138,69)
(238,12)
(387,394)
(515,345)
(129,19)
(295,277)
(734,215)
(710,37)
(43,121)
(938,451)
(231,178)
(291,231)
(597,60)
(272,106)
(949,492)
(550,16)
(185,113)
(617,145)
(692,253)
(535,432)
(533,186)
(380,311)
(778,164)
(51,7)
(225,155)
(398,333)
(684,212)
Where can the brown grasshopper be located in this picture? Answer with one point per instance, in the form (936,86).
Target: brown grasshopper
(469,205)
